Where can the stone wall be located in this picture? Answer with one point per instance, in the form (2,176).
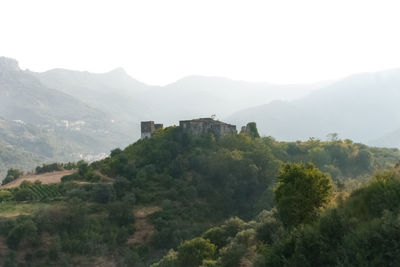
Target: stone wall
(204,125)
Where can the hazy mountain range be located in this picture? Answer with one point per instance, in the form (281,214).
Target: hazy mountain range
(66,115)
(363,107)
(194,96)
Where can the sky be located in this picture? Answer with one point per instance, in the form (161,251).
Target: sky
(161,41)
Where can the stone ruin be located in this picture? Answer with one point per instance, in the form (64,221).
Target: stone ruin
(204,125)
(148,128)
(195,127)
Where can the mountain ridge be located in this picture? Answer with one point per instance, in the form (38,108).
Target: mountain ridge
(361,107)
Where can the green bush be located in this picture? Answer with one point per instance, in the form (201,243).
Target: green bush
(192,253)
(12,174)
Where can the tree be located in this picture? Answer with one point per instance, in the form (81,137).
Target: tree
(115,152)
(217,236)
(192,253)
(12,174)
(301,192)
(333,137)
(83,167)
(23,193)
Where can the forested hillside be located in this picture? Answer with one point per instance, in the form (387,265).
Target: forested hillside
(185,185)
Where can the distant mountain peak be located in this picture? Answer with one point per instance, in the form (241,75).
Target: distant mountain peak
(119,70)
(8,64)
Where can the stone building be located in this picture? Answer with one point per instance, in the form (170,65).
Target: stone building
(148,128)
(205,125)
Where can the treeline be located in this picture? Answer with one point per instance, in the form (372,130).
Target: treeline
(342,159)
(55,167)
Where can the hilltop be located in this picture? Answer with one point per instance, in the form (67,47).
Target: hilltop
(164,190)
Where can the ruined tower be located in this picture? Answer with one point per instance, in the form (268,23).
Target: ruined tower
(148,128)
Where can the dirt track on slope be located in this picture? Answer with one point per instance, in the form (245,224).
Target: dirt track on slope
(45,178)
(143,228)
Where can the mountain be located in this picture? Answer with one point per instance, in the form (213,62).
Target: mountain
(223,96)
(24,98)
(391,139)
(48,123)
(362,107)
(194,96)
(12,151)
(114,92)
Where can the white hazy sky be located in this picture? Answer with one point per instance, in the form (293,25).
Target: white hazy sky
(158,42)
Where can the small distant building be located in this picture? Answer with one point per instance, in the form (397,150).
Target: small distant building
(148,128)
(204,125)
